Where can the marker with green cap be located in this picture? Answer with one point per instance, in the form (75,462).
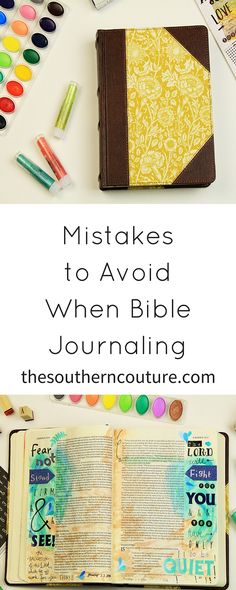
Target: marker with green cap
(40,175)
(65,110)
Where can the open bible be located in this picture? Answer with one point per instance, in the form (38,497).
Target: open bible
(118,506)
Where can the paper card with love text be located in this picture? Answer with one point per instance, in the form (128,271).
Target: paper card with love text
(221,18)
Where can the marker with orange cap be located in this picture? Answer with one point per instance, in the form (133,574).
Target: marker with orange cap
(6,406)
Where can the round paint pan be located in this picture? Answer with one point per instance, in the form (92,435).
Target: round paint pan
(176,410)
(159,407)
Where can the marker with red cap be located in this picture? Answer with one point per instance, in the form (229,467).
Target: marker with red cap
(5,404)
(54,162)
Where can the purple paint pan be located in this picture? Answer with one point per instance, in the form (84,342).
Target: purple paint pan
(159,407)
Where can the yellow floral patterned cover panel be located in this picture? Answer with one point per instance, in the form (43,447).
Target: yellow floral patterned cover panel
(169,106)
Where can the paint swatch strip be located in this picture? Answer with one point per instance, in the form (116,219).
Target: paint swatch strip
(157,408)
(33,33)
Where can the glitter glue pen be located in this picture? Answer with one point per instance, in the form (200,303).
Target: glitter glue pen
(56,166)
(47,181)
(65,110)
(5,404)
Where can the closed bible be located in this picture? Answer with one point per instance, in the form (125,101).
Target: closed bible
(155,108)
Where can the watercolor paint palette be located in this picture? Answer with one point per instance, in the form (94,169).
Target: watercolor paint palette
(152,407)
(28,31)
